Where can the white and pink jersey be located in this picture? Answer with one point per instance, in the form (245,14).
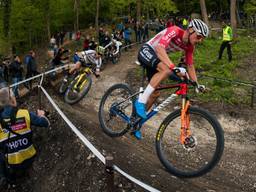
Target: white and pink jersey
(171,39)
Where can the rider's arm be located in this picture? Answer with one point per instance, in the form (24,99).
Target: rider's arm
(76,67)
(189,61)
(162,55)
(192,72)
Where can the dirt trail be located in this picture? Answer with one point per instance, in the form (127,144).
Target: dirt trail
(235,172)
(64,164)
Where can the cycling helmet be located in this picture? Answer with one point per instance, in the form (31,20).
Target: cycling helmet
(199,26)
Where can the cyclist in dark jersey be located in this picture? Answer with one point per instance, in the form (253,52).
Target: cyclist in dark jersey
(153,55)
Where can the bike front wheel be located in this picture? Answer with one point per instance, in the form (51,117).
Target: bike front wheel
(63,87)
(77,90)
(203,151)
(116,110)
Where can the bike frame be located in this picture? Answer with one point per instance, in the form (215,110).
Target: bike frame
(182,91)
(85,71)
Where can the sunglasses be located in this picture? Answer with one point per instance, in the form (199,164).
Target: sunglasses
(199,37)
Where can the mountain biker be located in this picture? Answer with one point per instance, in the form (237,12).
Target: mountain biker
(153,55)
(85,57)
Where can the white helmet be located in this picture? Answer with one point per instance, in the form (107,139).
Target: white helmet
(199,26)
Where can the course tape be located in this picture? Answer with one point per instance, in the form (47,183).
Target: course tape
(41,74)
(92,148)
(74,129)
(138,182)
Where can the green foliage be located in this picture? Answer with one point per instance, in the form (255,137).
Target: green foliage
(160,8)
(32,20)
(250,6)
(24,25)
(205,59)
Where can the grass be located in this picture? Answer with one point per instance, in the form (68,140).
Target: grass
(205,60)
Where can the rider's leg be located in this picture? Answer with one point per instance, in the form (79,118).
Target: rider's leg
(162,74)
(152,99)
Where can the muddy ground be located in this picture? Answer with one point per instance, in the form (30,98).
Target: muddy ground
(65,164)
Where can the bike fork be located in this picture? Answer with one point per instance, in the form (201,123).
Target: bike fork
(185,121)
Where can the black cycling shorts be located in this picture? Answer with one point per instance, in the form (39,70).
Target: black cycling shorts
(148,59)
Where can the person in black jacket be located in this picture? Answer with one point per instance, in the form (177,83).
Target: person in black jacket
(31,66)
(5,65)
(60,56)
(16,70)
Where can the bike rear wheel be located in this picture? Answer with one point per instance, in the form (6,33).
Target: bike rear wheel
(74,95)
(110,109)
(203,152)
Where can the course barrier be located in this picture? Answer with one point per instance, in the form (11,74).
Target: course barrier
(87,143)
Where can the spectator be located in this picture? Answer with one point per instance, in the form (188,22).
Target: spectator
(16,74)
(169,23)
(58,39)
(1,72)
(86,43)
(78,35)
(138,31)
(52,41)
(106,40)
(60,56)
(127,37)
(92,44)
(16,147)
(145,32)
(226,41)
(5,64)
(101,36)
(184,23)
(120,26)
(62,35)
(31,66)
(70,33)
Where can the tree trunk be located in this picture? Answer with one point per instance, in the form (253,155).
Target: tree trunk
(76,9)
(138,10)
(97,19)
(204,12)
(238,15)
(48,23)
(48,27)
(233,17)
(6,16)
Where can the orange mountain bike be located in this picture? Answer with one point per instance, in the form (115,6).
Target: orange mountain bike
(189,141)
